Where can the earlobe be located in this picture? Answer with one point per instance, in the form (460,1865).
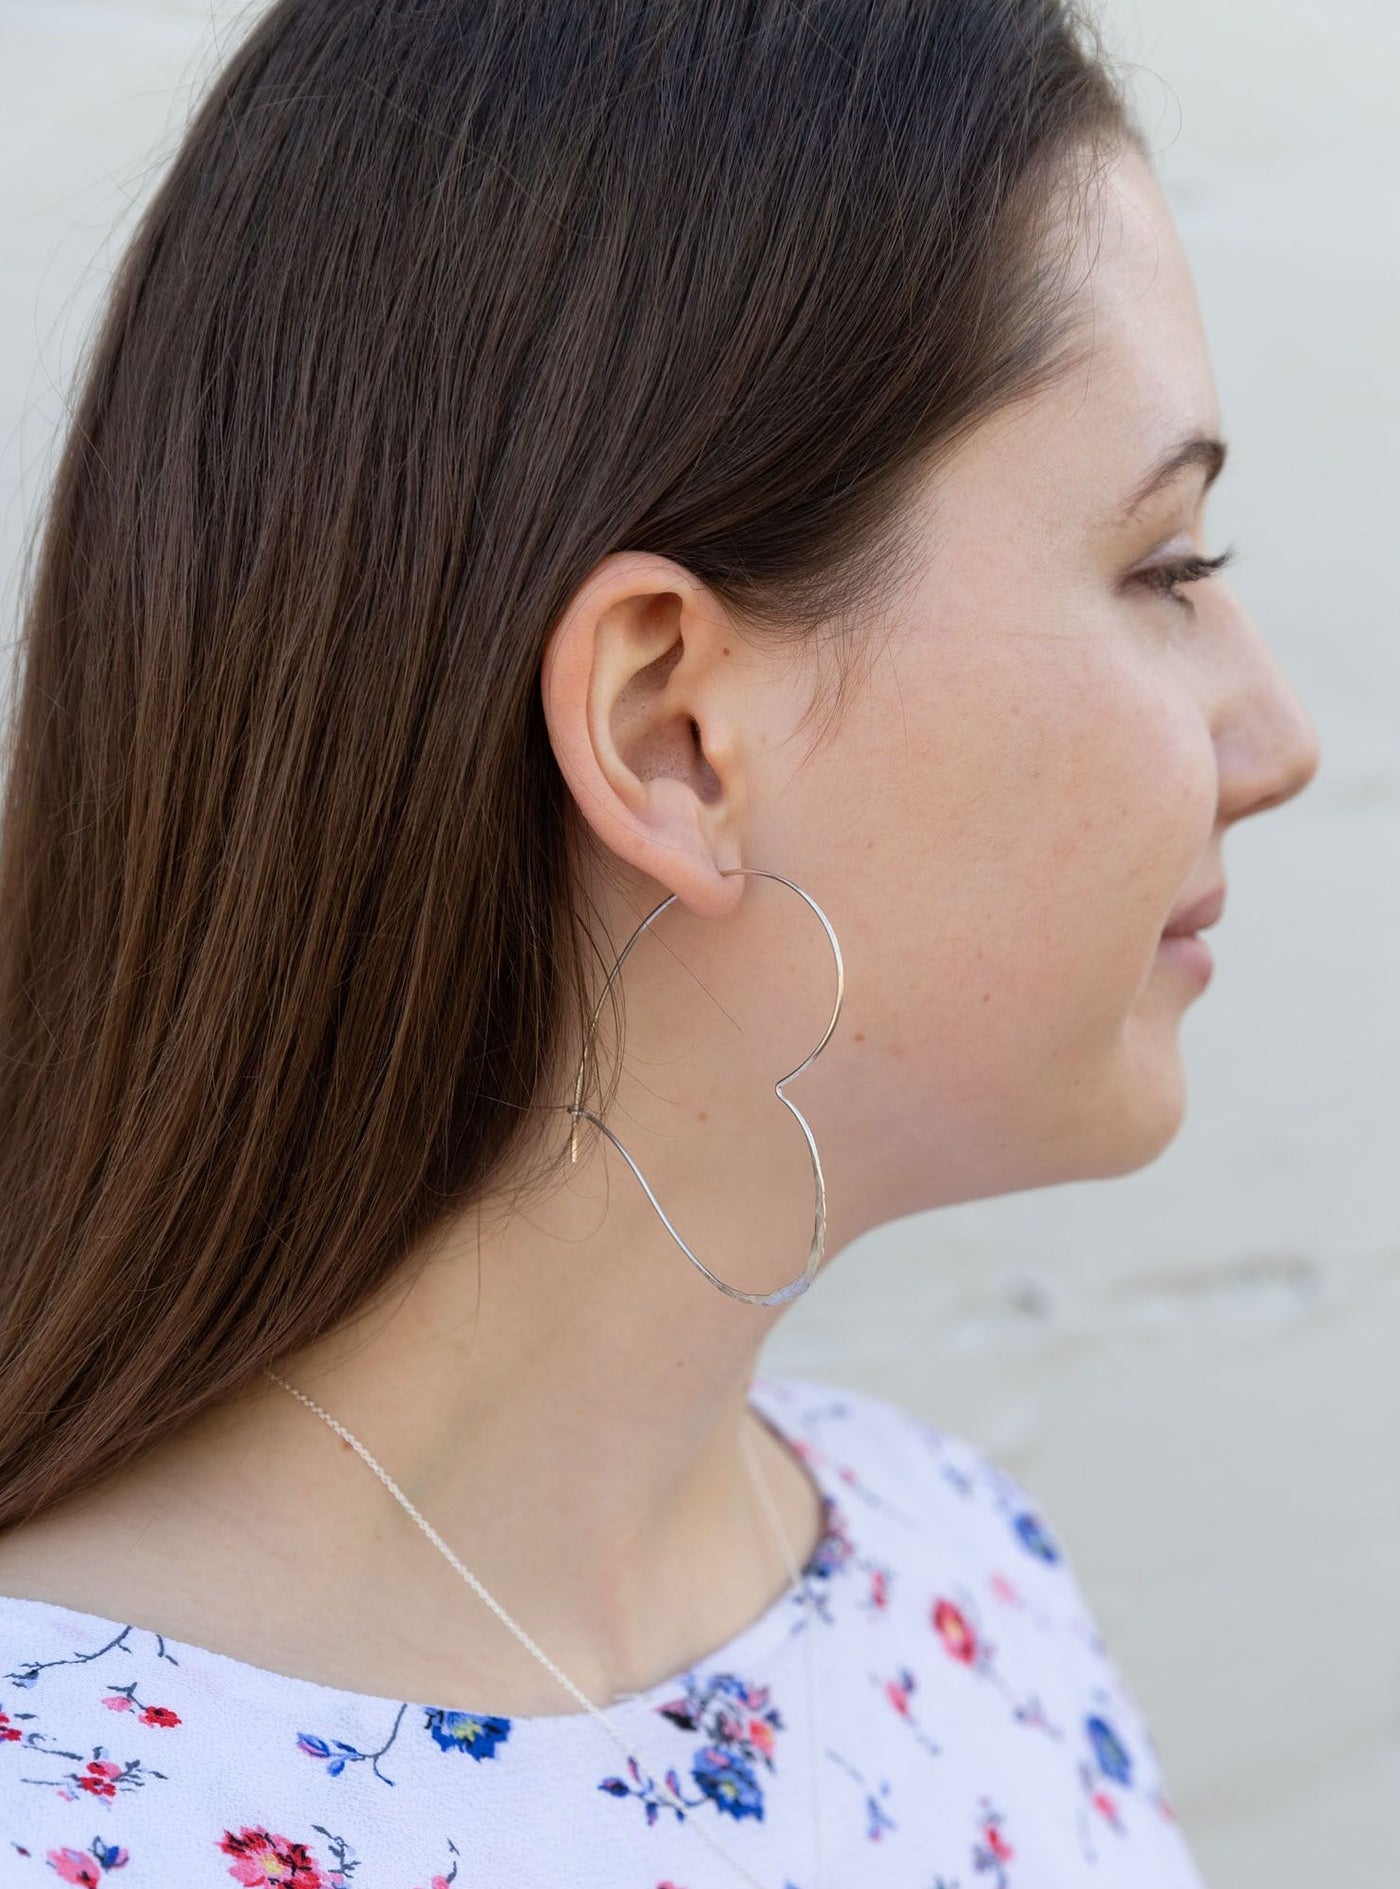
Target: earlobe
(630,678)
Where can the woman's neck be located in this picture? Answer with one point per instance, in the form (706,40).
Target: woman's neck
(566,1416)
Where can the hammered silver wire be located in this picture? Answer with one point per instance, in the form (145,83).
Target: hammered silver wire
(795,1287)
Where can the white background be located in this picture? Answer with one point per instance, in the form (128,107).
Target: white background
(1194,1367)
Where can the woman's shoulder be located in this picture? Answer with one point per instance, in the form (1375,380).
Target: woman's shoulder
(944,1517)
(862,1438)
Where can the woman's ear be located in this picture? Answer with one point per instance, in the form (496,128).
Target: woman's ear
(642,681)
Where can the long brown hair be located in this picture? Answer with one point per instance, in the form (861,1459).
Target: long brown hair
(439,302)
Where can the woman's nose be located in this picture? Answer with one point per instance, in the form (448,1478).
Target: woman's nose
(1267,742)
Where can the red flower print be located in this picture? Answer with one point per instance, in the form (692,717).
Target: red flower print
(7,1730)
(879,1588)
(998,1844)
(956,1632)
(900,1691)
(265,1860)
(760,1736)
(125,1701)
(75,1866)
(98,1782)
(1106,1808)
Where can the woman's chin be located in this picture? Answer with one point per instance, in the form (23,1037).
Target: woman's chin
(1129,1117)
(1150,1104)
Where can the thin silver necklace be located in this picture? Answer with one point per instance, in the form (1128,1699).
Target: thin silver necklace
(668,1798)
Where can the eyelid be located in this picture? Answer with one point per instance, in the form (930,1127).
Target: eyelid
(1193,568)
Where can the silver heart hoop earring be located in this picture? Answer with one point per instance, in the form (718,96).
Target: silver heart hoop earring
(796,1286)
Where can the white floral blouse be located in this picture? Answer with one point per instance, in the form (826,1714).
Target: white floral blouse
(973,1731)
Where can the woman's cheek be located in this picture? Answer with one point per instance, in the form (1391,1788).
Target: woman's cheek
(1122,814)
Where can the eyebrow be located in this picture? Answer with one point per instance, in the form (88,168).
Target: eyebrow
(1198,449)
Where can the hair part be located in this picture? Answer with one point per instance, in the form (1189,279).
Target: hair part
(439,302)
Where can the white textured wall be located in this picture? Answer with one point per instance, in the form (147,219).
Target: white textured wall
(1194,1367)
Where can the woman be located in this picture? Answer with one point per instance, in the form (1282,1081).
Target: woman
(557,478)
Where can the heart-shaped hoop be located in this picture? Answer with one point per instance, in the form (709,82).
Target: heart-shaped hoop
(795,1287)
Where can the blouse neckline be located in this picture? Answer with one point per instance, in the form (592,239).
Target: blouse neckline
(742,1653)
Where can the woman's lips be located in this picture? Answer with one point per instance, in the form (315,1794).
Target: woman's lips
(1200,913)
(1181,943)
(1190,953)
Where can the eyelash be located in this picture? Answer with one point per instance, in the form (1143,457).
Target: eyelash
(1164,578)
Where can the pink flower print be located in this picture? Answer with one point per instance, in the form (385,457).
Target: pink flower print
(997,1844)
(125,1700)
(879,1589)
(98,1778)
(7,1730)
(955,1630)
(897,1692)
(760,1736)
(103,1779)
(900,1691)
(965,1643)
(1005,1590)
(993,1851)
(264,1860)
(75,1866)
(1107,1809)
(437,1881)
(84,1867)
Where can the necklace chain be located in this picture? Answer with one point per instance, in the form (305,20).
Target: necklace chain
(668,1798)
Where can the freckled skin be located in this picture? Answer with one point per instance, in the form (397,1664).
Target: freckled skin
(986,827)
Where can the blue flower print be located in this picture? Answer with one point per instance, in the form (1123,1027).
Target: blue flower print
(835,1548)
(472,1732)
(956,1477)
(726,1685)
(739,1724)
(338,1754)
(728,1782)
(335,1750)
(1034,1535)
(1113,1759)
(877,1818)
